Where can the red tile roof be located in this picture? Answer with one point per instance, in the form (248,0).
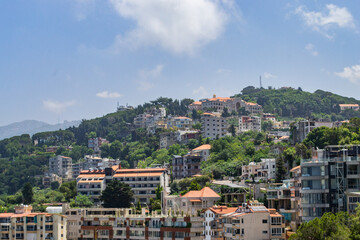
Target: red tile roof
(206,192)
(203,147)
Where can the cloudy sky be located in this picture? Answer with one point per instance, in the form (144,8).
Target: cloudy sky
(75,59)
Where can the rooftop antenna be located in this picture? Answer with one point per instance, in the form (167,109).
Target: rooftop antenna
(260,83)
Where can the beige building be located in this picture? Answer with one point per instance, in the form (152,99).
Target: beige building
(252,222)
(116,223)
(48,179)
(192,202)
(213,126)
(24,224)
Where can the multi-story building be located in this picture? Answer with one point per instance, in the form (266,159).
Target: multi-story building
(182,123)
(24,224)
(192,202)
(95,143)
(253,108)
(61,166)
(142,181)
(49,178)
(326,178)
(249,123)
(254,222)
(141,120)
(116,223)
(295,187)
(167,139)
(302,128)
(344,107)
(190,164)
(195,105)
(213,126)
(92,162)
(266,170)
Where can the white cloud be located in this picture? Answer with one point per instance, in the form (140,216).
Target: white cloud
(145,85)
(146,75)
(223,71)
(311,49)
(106,94)
(351,73)
(201,92)
(57,107)
(269,75)
(82,8)
(177,26)
(322,21)
(151,73)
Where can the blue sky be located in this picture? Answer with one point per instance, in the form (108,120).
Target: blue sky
(75,59)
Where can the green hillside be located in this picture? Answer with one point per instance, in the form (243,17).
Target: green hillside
(294,103)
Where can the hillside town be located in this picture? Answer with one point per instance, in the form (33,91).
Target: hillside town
(179,199)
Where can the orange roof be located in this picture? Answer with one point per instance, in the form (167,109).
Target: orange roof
(115,167)
(196,103)
(195,200)
(139,170)
(221,99)
(206,192)
(348,105)
(252,104)
(294,169)
(275,215)
(203,147)
(222,209)
(154,174)
(91,175)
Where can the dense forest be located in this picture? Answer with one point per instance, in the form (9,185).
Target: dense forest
(295,103)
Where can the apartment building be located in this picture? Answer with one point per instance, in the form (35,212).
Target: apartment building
(253,108)
(61,166)
(190,164)
(344,107)
(24,224)
(92,162)
(265,170)
(211,228)
(179,122)
(95,143)
(249,123)
(253,222)
(295,187)
(141,120)
(326,178)
(213,126)
(142,181)
(192,202)
(116,223)
(304,127)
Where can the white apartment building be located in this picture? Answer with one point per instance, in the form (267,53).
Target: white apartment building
(266,170)
(249,123)
(142,181)
(95,143)
(213,125)
(61,166)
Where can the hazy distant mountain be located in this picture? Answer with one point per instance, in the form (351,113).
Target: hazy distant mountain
(31,127)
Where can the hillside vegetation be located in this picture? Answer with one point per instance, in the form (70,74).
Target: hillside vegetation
(295,103)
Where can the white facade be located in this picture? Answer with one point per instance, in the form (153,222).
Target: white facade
(61,166)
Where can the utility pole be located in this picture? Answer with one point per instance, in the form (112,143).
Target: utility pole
(260,83)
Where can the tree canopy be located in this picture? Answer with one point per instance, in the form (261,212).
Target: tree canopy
(116,195)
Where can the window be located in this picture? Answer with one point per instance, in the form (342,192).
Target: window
(264,220)
(276,231)
(264,232)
